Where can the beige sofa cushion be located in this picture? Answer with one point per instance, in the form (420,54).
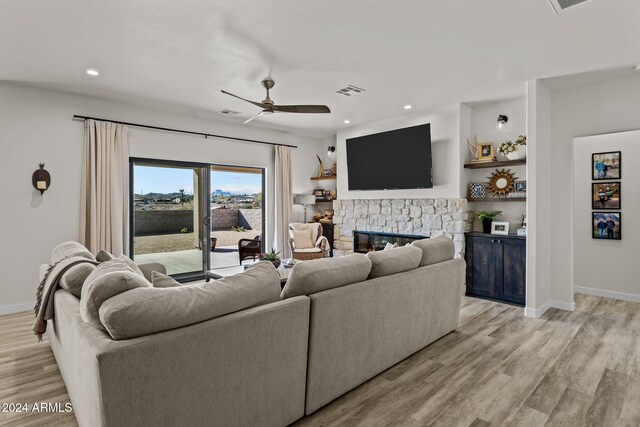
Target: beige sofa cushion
(435,250)
(73,279)
(69,249)
(392,261)
(107,280)
(149,310)
(132,265)
(160,280)
(309,277)
(103,256)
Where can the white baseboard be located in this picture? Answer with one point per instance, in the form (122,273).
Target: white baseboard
(561,305)
(17,308)
(607,294)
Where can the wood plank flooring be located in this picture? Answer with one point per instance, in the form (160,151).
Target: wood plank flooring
(497,369)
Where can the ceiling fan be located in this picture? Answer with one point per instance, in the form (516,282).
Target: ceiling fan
(268,107)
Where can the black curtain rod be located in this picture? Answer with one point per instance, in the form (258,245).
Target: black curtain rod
(190,132)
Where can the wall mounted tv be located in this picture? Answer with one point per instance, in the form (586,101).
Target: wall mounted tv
(393,160)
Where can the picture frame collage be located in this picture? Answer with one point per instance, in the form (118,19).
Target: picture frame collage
(606,195)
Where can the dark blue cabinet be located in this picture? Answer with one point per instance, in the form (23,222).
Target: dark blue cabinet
(496,267)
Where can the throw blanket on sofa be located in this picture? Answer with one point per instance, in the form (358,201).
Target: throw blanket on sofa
(48,287)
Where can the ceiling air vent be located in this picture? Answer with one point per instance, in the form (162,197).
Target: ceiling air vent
(228,112)
(349,90)
(559,5)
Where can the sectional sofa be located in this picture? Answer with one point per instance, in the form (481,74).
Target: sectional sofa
(241,352)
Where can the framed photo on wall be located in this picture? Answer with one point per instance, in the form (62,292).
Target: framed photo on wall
(606,165)
(606,195)
(606,225)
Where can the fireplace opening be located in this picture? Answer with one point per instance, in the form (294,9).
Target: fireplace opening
(368,241)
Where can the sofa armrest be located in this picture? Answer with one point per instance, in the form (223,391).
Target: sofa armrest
(148,268)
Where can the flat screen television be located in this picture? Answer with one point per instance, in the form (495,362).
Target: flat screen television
(392,160)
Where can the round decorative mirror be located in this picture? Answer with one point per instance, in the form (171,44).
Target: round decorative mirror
(502,182)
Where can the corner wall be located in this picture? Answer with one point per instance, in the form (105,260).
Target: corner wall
(36,126)
(605,106)
(607,267)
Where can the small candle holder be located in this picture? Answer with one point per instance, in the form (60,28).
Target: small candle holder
(41,179)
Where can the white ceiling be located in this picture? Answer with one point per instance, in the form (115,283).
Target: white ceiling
(178,55)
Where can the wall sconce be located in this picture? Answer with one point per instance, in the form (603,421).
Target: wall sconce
(501,124)
(41,179)
(330,150)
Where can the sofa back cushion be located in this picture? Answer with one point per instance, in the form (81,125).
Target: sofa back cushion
(73,279)
(109,279)
(309,277)
(438,249)
(69,249)
(392,261)
(149,310)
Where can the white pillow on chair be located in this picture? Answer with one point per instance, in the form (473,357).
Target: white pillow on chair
(302,239)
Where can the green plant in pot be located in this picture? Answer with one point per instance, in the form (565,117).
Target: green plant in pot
(487,218)
(272,256)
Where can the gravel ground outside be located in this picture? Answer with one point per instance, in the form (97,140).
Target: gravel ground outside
(184,241)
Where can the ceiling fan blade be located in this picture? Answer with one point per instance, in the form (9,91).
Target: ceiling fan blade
(257,104)
(253,117)
(309,109)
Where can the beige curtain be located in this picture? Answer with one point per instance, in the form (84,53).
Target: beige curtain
(283,200)
(104,210)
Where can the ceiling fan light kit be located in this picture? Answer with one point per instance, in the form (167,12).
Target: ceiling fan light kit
(269,107)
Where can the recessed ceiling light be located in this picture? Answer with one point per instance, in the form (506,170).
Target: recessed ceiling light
(408,107)
(347,121)
(92,72)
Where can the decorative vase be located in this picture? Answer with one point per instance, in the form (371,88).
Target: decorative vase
(486,226)
(276,263)
(519,153)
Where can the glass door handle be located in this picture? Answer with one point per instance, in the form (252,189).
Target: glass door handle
(206,220)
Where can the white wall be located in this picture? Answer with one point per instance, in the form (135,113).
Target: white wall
(483,125)
(36,126)
(600,107)
(538,202)
(607,267)
(446,153)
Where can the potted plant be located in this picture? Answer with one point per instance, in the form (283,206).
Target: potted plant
(487,218)
(514,150)
(272,256)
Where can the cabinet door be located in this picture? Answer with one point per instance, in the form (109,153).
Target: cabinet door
(482,267)
(512,269)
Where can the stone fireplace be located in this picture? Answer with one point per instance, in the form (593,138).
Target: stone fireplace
(427,217)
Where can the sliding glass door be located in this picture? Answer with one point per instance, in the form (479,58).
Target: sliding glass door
(169,216)
(195,217)
(237,215)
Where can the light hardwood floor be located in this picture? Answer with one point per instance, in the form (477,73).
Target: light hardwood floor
(497,368)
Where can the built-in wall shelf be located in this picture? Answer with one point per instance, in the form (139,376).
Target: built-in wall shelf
(496,164)
(320,178)
(498,199)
